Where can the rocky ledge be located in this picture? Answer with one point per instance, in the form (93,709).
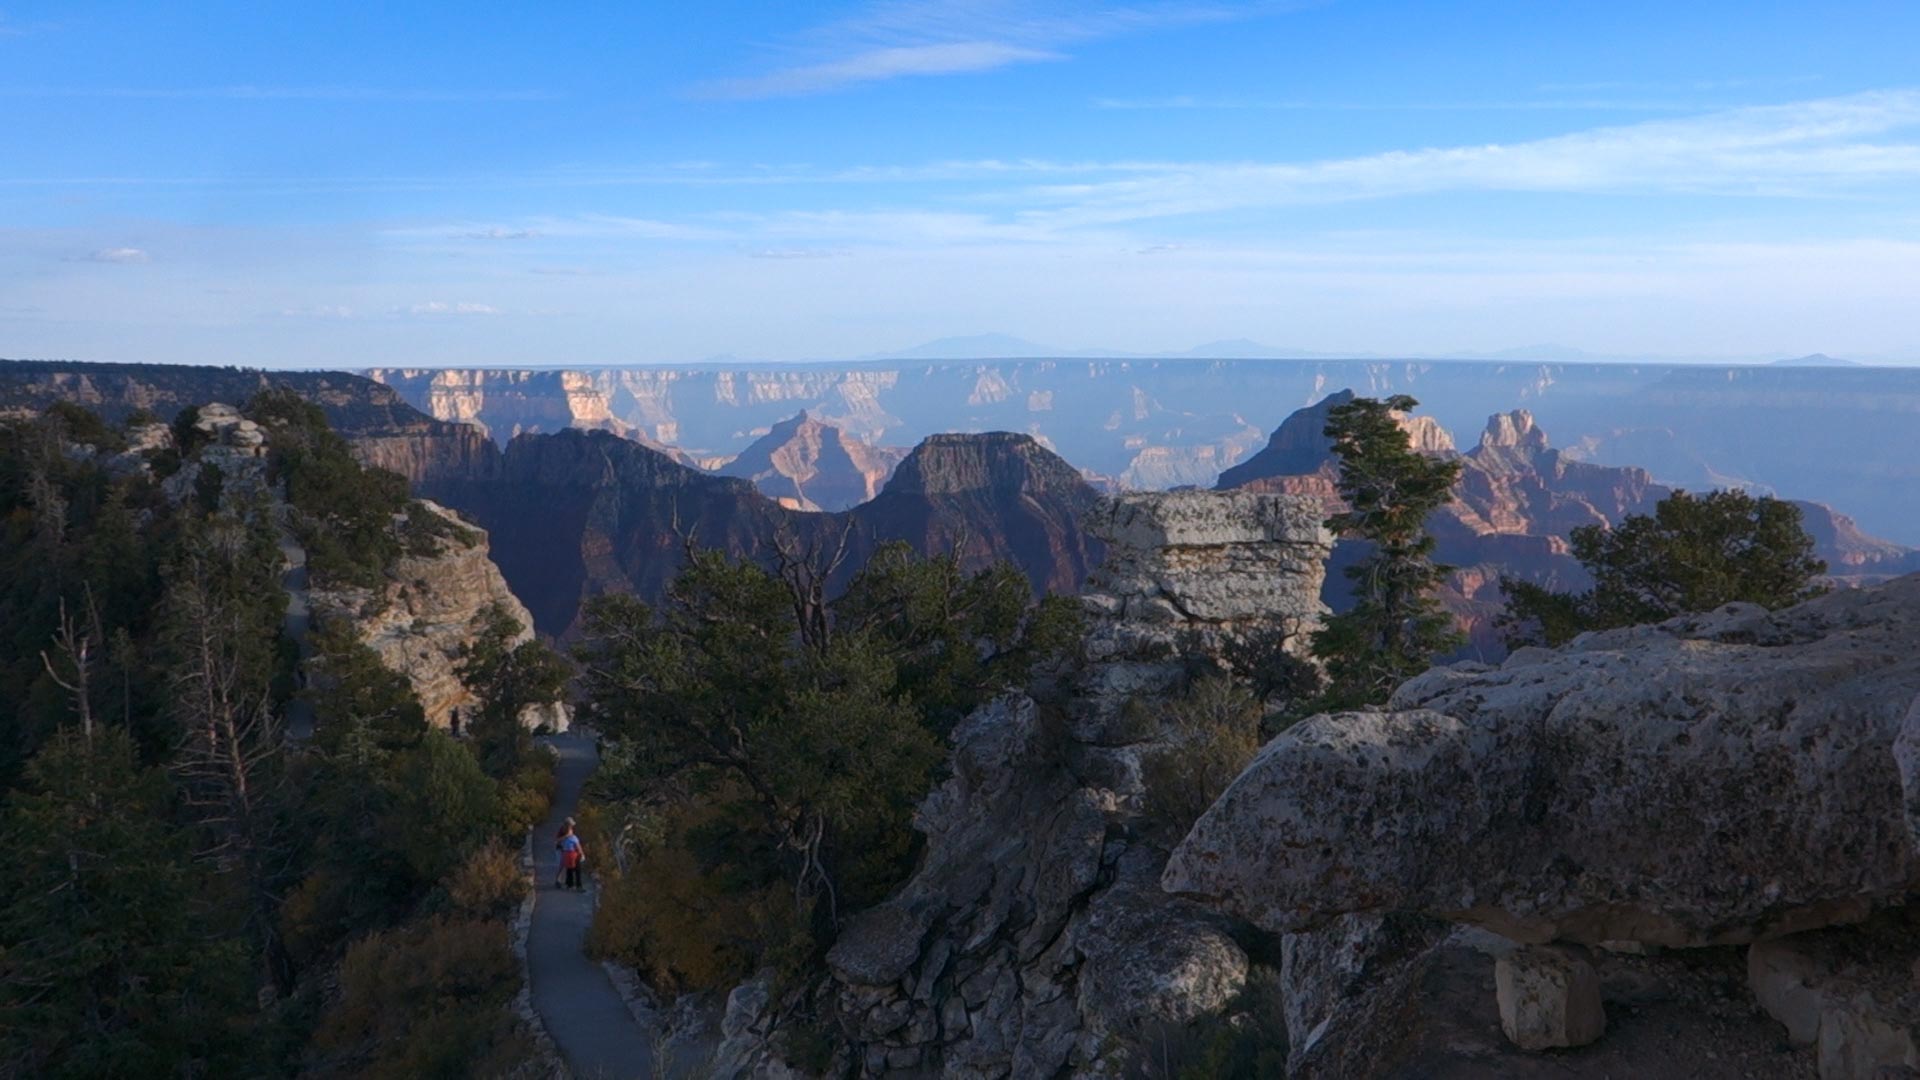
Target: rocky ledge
(1738,782)
(425,615)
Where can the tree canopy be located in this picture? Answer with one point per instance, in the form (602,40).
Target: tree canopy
(1693,553)
(1395,627)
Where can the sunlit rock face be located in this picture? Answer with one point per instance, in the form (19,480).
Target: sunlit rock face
(808,465)
(1517,501)
(426,613)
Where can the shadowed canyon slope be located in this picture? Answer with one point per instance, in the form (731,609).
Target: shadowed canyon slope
(575,514)
(1845,435)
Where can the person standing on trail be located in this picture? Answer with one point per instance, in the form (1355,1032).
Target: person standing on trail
(572,855)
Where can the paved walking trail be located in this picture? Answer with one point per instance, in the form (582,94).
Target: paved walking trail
(585,1015)
(298,621)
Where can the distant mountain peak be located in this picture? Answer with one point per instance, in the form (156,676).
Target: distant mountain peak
(1816,360)
(1003,461)
(808,464)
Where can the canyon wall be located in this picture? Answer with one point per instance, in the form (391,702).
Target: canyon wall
(1845,435)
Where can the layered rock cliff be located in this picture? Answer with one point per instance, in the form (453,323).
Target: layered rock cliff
(804,464)
(1034,940)
(384,430)
(1843,434)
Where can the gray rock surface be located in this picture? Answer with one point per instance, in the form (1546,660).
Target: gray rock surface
(1714,779)
(1549,998)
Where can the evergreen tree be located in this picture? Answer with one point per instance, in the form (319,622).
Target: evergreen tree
(507,676)
(1395,627)
(1693,553)
(111,963)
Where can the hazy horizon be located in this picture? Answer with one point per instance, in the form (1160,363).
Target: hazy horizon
(432,187)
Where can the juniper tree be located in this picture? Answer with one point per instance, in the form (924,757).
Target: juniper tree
(1693,553)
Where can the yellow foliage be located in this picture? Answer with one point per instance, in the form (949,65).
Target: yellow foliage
(687,926)
(490,883)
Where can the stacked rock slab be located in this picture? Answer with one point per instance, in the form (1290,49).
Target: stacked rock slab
(1034,940)
(1186,570)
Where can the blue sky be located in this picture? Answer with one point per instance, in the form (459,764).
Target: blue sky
(346,185)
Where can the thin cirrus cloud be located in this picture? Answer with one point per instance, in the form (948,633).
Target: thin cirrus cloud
(121,255)
(875,65)
(906,38)
(1862,145)
(1821,148)
(442,307)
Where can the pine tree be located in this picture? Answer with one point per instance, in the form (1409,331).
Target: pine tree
(1395,627)
(110,963)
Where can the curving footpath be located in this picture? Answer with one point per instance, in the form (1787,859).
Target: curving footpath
(584,1014)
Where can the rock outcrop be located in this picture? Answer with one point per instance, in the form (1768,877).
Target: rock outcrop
(807,465)
(1715,779)
(1034,939)
(426,615)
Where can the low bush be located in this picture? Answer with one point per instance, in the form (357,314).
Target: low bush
(1214,733)
(490,883)
(427,1000)
(701,910)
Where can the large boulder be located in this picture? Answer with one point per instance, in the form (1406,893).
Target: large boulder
(1715,779)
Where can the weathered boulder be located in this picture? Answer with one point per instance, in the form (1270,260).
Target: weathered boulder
(1549,998)
(1852,993)
(1714,779)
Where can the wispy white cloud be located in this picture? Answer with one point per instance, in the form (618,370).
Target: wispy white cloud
(120,255)
(497,233)
(794,253)
(1827,147)
(902,38)
(319,311)
(441,307)
(1189,103)
(874,65)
